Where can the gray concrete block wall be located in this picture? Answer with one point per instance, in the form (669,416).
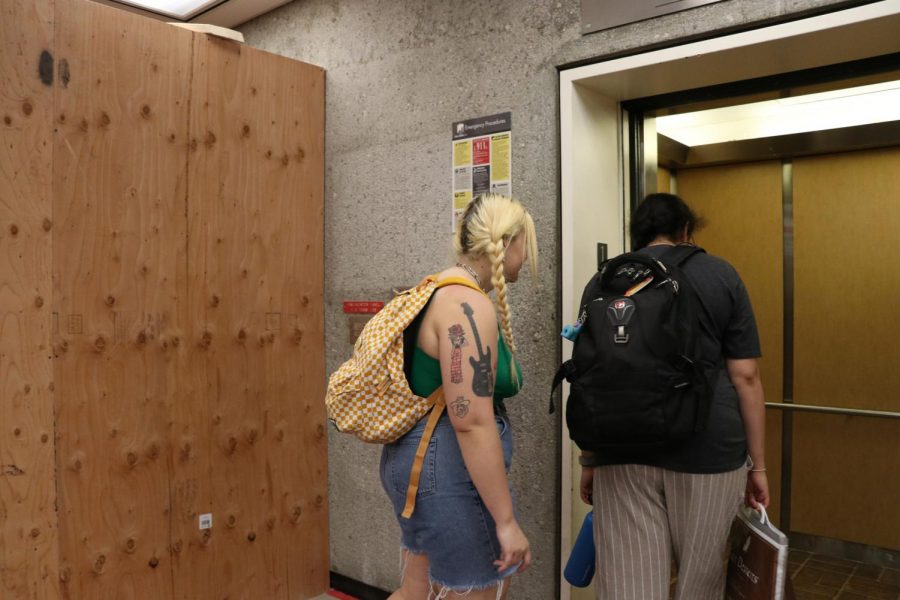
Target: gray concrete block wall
(398,73)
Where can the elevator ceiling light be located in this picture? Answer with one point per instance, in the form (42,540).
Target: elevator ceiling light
(864,105)
(175,9)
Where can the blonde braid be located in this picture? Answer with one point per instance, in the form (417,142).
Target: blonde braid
(496,252)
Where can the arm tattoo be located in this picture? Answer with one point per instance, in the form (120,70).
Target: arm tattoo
(483,378)
(457,340)
(460,407)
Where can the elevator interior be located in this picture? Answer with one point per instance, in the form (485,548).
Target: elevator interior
(798,183)
(797,224)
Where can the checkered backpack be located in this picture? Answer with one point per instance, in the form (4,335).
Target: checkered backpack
(369,395)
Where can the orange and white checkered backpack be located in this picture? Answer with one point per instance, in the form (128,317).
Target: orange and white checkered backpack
(369,395)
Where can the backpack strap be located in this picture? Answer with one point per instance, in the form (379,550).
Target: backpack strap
(459,281)
(436,400)
(680,254)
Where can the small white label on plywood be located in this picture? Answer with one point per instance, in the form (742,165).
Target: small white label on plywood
(206,521)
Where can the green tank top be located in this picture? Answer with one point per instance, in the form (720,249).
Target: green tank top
(426,373)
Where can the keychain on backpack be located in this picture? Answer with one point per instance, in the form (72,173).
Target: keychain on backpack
(570,332)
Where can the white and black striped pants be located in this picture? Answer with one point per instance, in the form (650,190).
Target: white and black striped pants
(642,515)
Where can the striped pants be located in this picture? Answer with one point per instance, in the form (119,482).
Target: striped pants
(642,515)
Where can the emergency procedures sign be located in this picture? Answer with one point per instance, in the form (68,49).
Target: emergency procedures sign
(481,159)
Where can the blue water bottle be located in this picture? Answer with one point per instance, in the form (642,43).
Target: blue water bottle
(580,567)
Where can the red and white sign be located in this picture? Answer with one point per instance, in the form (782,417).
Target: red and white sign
(481,151)
(362,308)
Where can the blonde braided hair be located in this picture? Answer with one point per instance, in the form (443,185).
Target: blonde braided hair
(490,222)
(496,253)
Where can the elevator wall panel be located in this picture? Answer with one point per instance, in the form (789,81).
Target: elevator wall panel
(847,225)
(742,209)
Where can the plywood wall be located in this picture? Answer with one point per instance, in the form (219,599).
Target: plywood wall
(119,195)
(28,522)
(180,181)
(255,307)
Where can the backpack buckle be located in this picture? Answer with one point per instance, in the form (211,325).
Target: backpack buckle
(620,336)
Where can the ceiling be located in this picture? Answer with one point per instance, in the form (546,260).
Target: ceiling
(224,13)
(862,105)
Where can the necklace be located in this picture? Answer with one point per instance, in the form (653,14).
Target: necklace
(471,272)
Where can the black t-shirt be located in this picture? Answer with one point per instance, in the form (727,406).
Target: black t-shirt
(728,331)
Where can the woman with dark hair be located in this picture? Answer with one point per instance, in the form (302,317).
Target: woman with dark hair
(679,502)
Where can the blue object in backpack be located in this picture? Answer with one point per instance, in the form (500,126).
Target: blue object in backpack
(582,561)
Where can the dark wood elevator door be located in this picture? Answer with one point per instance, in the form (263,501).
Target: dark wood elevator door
(846,284)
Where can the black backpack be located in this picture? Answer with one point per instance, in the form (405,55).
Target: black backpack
(638,384)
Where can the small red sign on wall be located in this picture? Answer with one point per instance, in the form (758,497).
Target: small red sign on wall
(481,151)
(362,308)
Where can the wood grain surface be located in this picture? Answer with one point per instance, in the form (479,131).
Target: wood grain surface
(161,311)
(742,207)
(119,195)
(28,522)
(847,224)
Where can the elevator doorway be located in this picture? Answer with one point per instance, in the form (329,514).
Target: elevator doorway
(825,501)
(805,217)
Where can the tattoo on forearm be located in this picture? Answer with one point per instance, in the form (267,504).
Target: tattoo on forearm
(483,377)
(457,340)
(460,407)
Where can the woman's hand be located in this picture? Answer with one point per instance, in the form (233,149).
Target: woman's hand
(514,548)
(757,489)
(587,485)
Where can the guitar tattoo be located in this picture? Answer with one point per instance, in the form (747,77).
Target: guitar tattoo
(457,340)
(483,379)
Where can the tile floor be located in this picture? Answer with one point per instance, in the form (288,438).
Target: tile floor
(818,577)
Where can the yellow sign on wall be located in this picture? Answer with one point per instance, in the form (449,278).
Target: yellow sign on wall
(481,159)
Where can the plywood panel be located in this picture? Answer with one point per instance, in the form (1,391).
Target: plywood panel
(742,207)
(28,523)
(120,234)
(256,322)
(847,218)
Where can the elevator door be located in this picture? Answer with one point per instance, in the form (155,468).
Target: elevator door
(846,225)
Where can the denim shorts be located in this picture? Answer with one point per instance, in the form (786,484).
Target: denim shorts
(450,523)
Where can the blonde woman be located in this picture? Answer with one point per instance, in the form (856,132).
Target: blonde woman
(463,539)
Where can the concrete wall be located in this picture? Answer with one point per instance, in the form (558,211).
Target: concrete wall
(398,73)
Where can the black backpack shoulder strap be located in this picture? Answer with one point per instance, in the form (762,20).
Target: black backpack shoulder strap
(680,254)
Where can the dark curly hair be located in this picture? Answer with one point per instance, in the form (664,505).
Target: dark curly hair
(662,214)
